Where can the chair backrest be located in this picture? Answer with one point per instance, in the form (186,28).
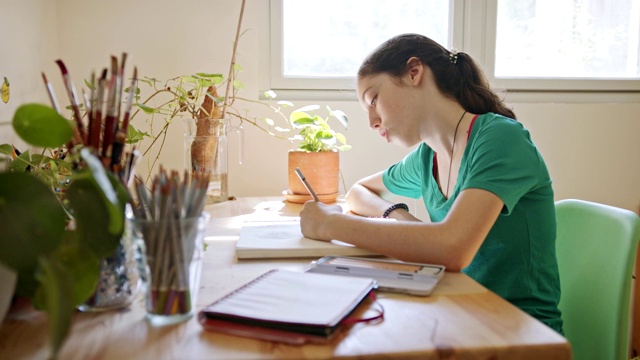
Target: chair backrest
(596,249)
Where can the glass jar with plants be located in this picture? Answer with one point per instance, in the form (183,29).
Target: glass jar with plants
(207,105)
(194,101)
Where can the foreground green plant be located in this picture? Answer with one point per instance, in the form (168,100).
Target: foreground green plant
(63,214)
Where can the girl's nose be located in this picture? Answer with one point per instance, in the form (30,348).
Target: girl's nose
(374,120)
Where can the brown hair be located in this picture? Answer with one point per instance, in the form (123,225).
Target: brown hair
(456,74)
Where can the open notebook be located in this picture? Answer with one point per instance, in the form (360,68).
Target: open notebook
(287,306)
(281,239)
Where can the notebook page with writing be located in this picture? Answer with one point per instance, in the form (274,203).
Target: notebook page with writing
(287,297)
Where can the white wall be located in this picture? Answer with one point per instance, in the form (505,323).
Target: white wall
(27,47)
(592,149)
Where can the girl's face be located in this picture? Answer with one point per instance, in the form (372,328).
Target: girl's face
(390,104)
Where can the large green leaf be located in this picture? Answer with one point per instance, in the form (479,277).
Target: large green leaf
(93,217)
(101,177)
(341,138)
(98,201)
(308,108)
(6,149)
(80,261)
(34,225)
(300,119)
(341,116)
(20,163)
(327,137)
(42,126)
(56,297)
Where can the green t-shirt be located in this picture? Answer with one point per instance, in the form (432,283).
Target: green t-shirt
(517,260)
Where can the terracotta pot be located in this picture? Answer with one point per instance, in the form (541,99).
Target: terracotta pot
(322,171)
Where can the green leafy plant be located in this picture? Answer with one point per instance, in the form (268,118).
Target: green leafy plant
(314,132)
(195,97)
(207,98)
(62,215)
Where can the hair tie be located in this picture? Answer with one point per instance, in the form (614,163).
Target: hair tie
(453,56)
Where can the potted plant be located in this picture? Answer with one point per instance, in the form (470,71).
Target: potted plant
(317,154)
(62,215)
(207,103)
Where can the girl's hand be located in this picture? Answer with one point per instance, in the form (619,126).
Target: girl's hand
(314,219)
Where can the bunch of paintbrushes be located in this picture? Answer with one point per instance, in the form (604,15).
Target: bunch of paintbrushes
(169,219)
(105,130)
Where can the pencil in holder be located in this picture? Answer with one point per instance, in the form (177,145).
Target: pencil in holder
(171,266)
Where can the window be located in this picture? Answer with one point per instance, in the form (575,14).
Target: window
(550,45)
(322,43)
(577,40)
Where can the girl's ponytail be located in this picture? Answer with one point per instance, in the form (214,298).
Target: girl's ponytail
(455,73)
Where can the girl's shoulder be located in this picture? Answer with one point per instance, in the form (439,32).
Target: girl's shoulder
(494,119)
(497,125)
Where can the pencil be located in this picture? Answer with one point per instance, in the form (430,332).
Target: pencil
(171,213)
(306,184)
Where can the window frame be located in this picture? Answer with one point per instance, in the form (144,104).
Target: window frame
(473,30)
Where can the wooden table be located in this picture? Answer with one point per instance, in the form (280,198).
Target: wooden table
(461,320)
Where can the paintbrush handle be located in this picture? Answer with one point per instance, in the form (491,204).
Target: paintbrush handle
(73,98)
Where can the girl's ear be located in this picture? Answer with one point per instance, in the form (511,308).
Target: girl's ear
(415,70)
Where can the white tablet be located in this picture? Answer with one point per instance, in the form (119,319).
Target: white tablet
(391,275)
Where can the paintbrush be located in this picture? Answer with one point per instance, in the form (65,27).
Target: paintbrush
(56,107)
(130,166)
(51,93)
(89,103)
(121,135)
(120,82)
(132,90)
(111,120)
(97,112)
(73,98)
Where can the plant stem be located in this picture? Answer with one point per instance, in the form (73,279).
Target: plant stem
(233,60)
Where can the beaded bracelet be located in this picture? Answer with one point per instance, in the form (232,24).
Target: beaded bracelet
(394,207)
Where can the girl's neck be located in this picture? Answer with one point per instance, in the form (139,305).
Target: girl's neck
(439,128)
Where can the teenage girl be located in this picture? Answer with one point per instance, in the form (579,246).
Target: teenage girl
(484,183)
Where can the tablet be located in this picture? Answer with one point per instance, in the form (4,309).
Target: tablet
(391,275)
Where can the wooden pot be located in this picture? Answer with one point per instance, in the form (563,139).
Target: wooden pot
(322,171)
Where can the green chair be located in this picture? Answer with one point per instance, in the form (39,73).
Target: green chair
(596,249)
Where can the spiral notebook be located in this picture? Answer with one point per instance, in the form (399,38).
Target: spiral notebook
(287,306)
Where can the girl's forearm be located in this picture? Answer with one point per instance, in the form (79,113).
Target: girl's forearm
(365,202)
(407,241)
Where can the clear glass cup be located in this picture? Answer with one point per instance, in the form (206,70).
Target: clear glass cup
(171,264)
